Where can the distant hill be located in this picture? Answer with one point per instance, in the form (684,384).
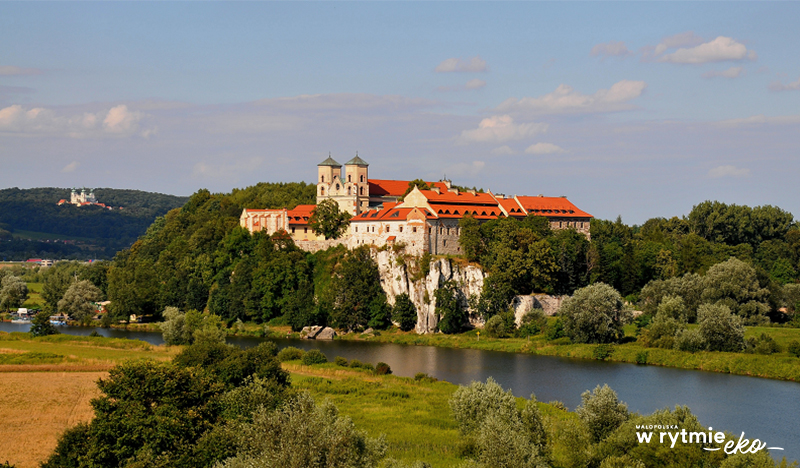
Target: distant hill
(32,224)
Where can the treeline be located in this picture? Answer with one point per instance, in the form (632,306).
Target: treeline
(102,232)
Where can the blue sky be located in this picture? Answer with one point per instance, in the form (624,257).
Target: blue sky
(632,109)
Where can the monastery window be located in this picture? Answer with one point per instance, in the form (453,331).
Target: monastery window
(305,230)
(444,243)
(401,228)
(337,187)
(349,178)
(292,230)
(362,189)
(322,178)
(429,230)
(356,228)
(362,178)
(388,228)
(414,229)
(322,190)
(349,189)
(448,231)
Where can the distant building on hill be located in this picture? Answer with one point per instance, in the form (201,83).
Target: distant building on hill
(424,220)
(84,198)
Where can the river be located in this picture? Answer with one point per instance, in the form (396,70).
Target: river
(761,408)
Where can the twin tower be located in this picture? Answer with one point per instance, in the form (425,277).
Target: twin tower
(349,187)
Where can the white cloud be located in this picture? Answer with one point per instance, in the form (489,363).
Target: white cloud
(778,86)
(501,128)
(10,70)
(504,150)
(471,65)
(728,171)
(566,100)
(475,84)
(544,148)
(719,50)
(119,121)
(610,49)
(684,39)
(70,167)
(733,72)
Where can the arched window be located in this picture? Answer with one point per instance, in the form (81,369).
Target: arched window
(337,187)
(349,189)
(348,178)
(362,177)
(322,178)
(362,190)
(322,190)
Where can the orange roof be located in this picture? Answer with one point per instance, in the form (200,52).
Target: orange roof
(459,211)
(386,214)
(461,197)
(300,214)
(552,207)
(395,188)
(511,206)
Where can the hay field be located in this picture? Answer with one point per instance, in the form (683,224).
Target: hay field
(36,407)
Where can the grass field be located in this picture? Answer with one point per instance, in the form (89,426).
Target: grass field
(36,407)
(35,300)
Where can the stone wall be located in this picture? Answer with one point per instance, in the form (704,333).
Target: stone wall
(443,237)
(548,304)
(317,245)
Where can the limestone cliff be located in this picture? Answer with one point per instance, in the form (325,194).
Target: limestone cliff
(404,274)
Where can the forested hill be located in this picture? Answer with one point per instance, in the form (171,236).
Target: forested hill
(33,225)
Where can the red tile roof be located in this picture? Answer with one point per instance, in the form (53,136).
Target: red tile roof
(552,207)
(511,206)
(395,188)
(461,197)
(300,214)
(459,211)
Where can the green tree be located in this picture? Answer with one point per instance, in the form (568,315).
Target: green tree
(78,301)
(13,292)
(302,434)
(734,284)
(419,183)
(720,329)
(594,314)
(601,411)
(449,308)
(355,288)
(41,326)
(327,220)
(470,239)
(404,312)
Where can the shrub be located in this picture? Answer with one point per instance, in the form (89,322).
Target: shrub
(554,330)
(94,333)
(355,363)
(603,351)
(340,361)
(290,353)
(601,411)
(690,340)
(314,356)
(382,368)
(763,344)
(423,377)
(404,312)
(495,327)
(532,323)
(641,357)
(720,329)
(594,314)
(794,348)
(472,404)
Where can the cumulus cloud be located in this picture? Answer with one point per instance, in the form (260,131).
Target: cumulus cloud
(544,148)
(778,86)
(610,49)
(720,49)
(118,121)
(475,84)
(733,72)
(566,100)
(501,128)
(10,70)
(70,167)
(471,65)
(684,39)
(504,150)
(728,171)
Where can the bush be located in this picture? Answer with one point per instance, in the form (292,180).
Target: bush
(423,377)
(720,329)
(794,348)
(340,361)
(603,352)
(532,323)
(382,368)
(601,411)
(763,344)
(404,312)
(495,327)
(555,330)
(290,353)
(641,357)
(355,363)
(594,314)
(690,340)
(314,356)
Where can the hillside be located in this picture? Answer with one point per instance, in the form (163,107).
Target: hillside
(33,225)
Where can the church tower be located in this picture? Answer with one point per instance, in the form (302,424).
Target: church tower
(356,177)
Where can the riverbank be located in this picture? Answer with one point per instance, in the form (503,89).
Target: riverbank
(779,366)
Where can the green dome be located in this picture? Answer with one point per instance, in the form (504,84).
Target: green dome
(356,162)
(329,162)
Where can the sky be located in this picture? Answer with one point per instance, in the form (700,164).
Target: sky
(631,109)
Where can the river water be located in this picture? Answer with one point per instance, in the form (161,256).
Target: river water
(761,408)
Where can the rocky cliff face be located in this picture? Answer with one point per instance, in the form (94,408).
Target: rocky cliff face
(404,274)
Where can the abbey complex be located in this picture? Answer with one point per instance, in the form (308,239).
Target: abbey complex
(423,220)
